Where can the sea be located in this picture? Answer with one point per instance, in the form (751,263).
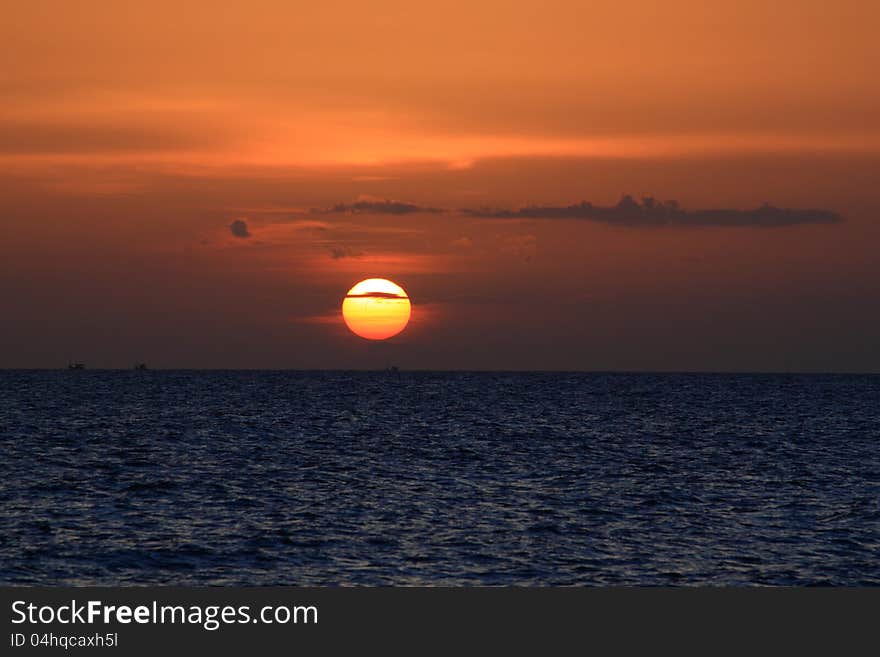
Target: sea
(438,478)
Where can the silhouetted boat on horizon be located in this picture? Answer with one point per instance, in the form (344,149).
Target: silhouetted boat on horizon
(140,366)
(76,366)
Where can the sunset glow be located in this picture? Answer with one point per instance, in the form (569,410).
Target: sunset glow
(563,185)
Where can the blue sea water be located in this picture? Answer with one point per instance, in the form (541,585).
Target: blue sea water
(257,477)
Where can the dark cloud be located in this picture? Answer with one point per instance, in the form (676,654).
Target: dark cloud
(376,207)
(650,212)
(627,212)
(337,252)
(239,228)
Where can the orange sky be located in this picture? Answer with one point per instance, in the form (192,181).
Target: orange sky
(132,134)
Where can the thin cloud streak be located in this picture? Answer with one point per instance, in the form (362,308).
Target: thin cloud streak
(376,295)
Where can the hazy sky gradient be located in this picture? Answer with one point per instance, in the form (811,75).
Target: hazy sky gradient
(161,166)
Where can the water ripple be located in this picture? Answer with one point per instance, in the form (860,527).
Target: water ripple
(438,478)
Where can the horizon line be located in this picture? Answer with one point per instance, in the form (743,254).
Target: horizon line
(399,370)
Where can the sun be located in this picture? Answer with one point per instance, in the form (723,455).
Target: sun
(376,309)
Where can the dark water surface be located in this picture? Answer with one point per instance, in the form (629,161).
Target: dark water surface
(112,477)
